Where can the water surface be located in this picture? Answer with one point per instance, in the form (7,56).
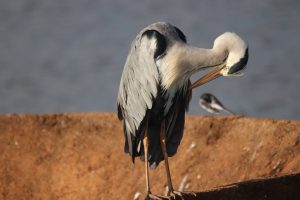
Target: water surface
(68,56)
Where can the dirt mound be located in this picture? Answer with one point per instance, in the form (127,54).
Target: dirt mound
(80,155)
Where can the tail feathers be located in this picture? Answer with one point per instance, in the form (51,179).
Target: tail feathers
(126,146)
(155,152)
(177,133)
(174,135)
(133,143)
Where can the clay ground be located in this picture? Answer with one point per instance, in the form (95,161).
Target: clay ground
(80,155)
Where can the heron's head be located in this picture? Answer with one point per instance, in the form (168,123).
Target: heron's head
(235,61)
(237,53)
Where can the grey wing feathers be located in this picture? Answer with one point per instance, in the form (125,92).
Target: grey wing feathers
(138,86)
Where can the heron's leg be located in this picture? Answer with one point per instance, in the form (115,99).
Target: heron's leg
(171,191)
(164,150)
(145,142)
(146,145)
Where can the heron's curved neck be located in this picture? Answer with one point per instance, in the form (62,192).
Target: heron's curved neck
(181,61)
(199,59)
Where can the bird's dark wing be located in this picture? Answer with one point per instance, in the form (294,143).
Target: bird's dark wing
(175,119)
(174,122)
(138,86)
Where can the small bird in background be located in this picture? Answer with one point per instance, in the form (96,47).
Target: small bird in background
(211,104)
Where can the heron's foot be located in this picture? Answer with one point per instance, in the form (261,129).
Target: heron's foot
(190,193)
(154,197)
(180,195)
(172,195)
(175,195)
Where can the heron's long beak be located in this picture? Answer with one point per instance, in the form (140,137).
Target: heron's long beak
(215,73)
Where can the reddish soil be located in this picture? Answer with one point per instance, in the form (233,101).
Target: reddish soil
(80,155)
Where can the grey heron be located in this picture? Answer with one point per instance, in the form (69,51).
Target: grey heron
(211,104)
(155,89)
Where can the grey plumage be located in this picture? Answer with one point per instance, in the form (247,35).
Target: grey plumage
(141,96)
(155,84)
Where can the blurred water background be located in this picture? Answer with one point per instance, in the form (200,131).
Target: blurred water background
(68,55)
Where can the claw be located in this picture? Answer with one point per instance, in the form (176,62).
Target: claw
(173,195)
(191,193)
(154,197)
(180,195)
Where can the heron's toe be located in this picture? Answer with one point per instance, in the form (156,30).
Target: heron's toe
(154,197)
(176,195)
